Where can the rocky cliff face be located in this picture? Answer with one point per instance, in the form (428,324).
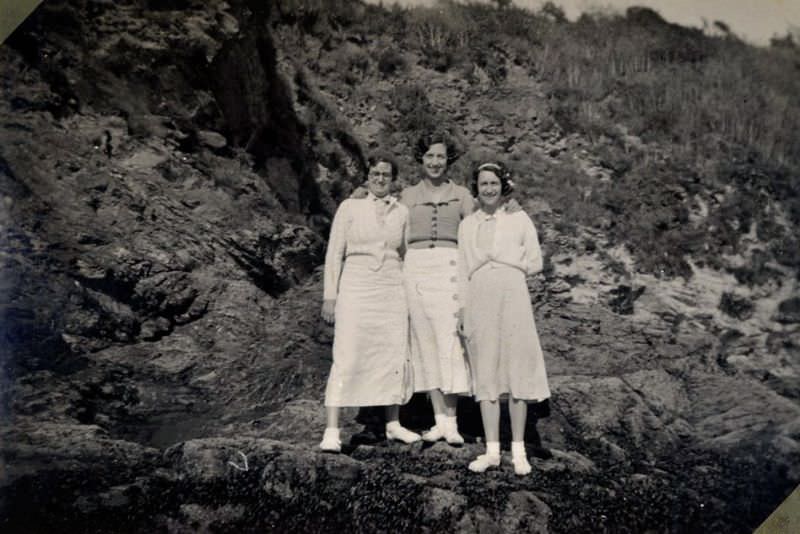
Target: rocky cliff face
(167,174)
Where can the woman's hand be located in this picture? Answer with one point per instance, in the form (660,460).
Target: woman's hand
(512,206)
(359,192)
(329,310)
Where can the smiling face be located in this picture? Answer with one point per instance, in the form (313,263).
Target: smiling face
(489,189)
(434,161)
(379,179)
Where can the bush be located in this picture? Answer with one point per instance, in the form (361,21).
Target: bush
(681,119)
(415,110)
(736,306)
(349,62)
(441,34)
(787,252)
(758,272)
(391,62)
(488,59)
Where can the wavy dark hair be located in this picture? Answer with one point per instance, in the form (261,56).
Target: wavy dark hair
(383,157)
(433,137)
(499,170)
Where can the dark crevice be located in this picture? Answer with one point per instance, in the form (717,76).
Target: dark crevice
(259,116)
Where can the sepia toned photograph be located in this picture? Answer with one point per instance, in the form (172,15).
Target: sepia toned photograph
(412,266)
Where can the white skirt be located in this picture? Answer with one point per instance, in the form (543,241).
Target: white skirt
(431,280)
(371,364)
(503,344)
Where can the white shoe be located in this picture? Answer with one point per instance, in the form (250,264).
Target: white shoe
(434,434)
(484,462)
(521,465)
(330,441)
(451,434)
(401,433)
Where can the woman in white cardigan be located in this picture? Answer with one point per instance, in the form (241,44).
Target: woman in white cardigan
(497,250)
(365,297)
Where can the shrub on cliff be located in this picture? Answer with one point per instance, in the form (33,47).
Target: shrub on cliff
(348,62)
(736,306)
(391,62)
(415,111)
(685,122)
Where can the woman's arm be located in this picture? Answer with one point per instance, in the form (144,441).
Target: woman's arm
(533,253)
(334,258)
(468,205)
(463,272)
(359,192)
(511,205)
(404,236)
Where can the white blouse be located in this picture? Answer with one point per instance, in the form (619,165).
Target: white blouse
(368,226)
(515,243)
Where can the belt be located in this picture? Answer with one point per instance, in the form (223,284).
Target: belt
(387,255)
(433,243)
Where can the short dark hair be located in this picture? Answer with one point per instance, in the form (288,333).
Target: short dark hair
(499,170)
(383,157)
(432,137)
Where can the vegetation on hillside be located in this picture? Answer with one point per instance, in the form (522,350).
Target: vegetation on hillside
(684,122)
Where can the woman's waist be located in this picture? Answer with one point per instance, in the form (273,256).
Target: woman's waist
(499,266)
(365,270)
(378,251)
(433,243)
(367,259)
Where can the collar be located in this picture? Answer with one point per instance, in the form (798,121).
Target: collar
(445,188)
(421,193)
(483,216)
(389,200)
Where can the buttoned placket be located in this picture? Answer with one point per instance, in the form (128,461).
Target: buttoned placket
(382,208)
(434,225)
(487,228)
(435,216)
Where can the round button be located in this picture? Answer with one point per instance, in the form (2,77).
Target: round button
(455,297)
(452,262)
(453,279)
(431,246)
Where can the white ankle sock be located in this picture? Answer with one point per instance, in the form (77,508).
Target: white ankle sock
(518,449)
(393,425)
(441,420)
(493,448)
(330,440)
